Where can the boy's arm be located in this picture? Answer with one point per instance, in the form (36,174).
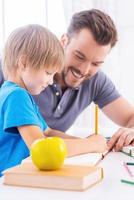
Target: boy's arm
(75,146)
(30,133)
(49,132)
(92,144)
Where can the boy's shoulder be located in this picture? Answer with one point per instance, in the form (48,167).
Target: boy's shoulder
(10,89)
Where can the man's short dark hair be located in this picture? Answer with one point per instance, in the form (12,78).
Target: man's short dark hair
(99,23)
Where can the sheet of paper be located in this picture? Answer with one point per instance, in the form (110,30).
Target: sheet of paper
(84,159)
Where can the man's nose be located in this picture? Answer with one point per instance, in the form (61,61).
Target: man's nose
(86,68)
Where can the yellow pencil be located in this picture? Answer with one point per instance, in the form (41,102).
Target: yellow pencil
(96,119)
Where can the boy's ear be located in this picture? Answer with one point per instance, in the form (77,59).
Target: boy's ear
(64,40)
(22,62)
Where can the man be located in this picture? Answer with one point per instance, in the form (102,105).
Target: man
(90,37)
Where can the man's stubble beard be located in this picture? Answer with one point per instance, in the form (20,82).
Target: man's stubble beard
(64,75)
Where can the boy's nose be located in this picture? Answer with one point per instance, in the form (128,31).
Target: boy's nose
(51,80)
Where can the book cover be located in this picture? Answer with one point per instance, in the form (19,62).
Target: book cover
(69,177)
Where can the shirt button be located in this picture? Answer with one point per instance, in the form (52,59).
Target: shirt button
(57,93)
(58,107)
(55,85)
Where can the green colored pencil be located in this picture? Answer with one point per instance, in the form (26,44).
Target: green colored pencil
(130,163)
(128,182)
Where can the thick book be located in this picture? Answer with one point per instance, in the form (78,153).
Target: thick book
(69,177)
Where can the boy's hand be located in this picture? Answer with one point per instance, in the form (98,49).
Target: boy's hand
(99,143)
(123,137)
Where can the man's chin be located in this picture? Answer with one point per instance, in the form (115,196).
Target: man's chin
(72,85)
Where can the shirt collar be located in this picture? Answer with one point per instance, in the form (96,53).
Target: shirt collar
(55,84)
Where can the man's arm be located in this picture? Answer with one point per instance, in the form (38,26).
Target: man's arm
(121,112)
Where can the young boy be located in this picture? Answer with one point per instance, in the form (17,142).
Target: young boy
(31,58)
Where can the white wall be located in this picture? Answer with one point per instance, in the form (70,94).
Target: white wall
(119,63)
(56,14)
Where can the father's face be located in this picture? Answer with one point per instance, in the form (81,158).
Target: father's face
(83,57)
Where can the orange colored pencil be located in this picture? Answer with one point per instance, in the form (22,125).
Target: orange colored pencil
(96,119)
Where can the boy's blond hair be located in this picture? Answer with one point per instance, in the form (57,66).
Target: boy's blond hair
(39,47)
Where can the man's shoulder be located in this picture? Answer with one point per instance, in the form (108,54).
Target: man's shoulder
(98,79)
(100,75)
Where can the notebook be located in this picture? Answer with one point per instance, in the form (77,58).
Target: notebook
(128,150)
(69,177)
(83,159)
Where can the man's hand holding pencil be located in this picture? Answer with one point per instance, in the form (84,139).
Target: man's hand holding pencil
(123,137)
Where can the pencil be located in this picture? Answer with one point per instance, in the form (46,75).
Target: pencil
(128,182)
(130,163)
(102,157)
(96,119)
(128,170)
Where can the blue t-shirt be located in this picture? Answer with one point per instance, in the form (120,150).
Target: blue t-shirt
(17,108)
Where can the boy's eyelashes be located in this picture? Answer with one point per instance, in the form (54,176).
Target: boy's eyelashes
(49,73)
